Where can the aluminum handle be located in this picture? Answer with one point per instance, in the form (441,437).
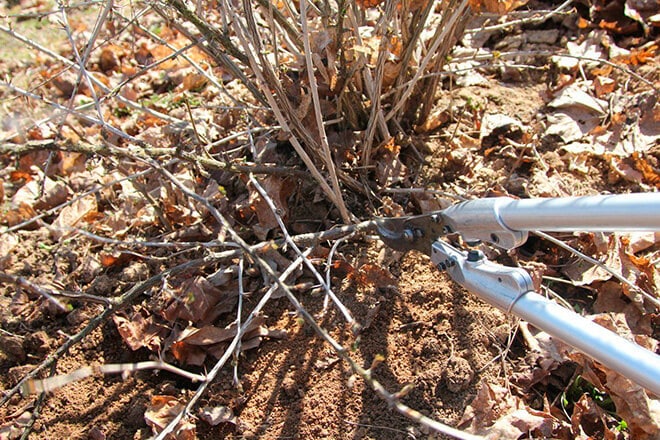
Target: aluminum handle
(510,289)
(623,212)
(505,222)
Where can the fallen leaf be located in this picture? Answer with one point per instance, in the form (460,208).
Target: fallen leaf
(44,194)
(278,190)
(603,86)
(140,331)
(495,413)
(210,335)
(161,410)
(110,58)
(389,167)
(194,82)
(496,128)
(649,175)
(14,428)
(589,419)
(214,415)
(585,53)
(372,275)
(72,215)
(7,245)
(496,6)
(18,175)
(366,4)
(18,215)
(198,301)
(70,162)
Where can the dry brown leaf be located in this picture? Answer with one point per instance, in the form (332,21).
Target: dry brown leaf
(188,354)
(496,6)
(15,176)
(198,301)
(140,331)
(214,415)
(650,175)
(603,86)
(44,194)
(161,410)
(210,335)
(279,190)
(72,215)
(621,259)
(624,170)
(497,414)
(637,56)
(372,275)
(70,162)
(15,216)
(110,58)
(13,428)
(193,344)
(366,4)
(194,82)
(7,245)
(389,168)
(589,419)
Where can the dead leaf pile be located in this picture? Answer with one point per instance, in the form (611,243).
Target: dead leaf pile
(495,413)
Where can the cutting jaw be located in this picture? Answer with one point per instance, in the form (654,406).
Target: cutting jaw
(411,233)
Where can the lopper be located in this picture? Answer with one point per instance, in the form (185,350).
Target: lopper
(506,222)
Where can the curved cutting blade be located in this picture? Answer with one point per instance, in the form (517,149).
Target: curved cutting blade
(411,233)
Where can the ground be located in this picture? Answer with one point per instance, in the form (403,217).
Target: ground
(453,355)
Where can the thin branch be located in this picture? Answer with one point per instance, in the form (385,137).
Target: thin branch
(51,294)
(233,346)
(26,284)
(108,150)
(325,153)
(290,118)
(34,386)
(536,19)
(117,304)
(448,25)
(287,238)
(392,399)
(595,262)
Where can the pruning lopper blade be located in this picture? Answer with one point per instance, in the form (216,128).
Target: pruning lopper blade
(411,233)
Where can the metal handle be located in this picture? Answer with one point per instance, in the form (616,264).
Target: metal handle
(510,289)
(505,222)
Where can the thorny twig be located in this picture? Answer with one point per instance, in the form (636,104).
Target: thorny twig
(287,238)
(51,294)
(392,399)
(535,19)
(117,304)
(155,153)
(233,346)
(28,285)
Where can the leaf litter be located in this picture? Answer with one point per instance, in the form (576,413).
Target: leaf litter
(593,126)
